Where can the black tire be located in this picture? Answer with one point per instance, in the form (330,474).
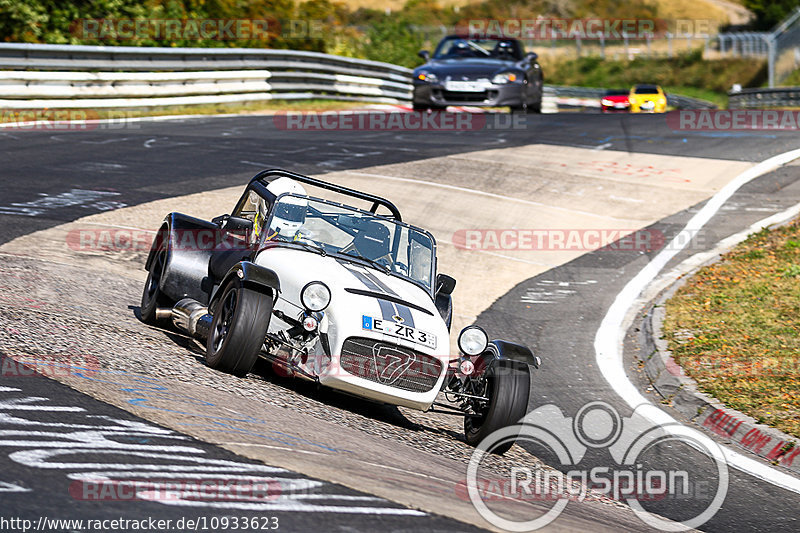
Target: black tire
(537,107)
(238,329)
(508,387)
(425,107)
(152,297)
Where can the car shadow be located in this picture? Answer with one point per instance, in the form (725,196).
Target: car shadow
(263,371)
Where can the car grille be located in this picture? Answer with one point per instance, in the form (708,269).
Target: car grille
(457,96)
(390,364)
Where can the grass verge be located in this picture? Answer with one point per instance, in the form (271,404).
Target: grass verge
(243,108)
(735,328)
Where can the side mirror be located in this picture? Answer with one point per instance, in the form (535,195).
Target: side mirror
(237,224)
(424,54)
(531,56)
(445,284)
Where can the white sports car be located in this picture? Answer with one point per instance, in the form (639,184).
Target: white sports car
(345,296)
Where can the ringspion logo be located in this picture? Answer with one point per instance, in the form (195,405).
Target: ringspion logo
(636,472)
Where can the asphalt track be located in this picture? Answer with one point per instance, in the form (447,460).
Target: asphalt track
(156,160)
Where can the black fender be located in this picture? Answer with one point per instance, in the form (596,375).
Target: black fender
(444,304)
(189,242)
(260,278)
(499,350)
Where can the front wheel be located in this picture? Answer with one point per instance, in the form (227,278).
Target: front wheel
(238,329)
(507,386)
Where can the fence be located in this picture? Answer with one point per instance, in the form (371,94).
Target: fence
(781,46)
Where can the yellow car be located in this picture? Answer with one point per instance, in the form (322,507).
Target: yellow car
(647,99)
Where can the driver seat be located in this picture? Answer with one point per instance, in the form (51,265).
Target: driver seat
(372,240)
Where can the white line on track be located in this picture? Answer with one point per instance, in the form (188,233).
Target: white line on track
(608,342)
(501,256)
(484,193)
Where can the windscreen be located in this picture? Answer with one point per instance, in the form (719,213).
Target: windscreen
(392,246)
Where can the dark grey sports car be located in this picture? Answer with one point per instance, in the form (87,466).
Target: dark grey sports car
(491,72)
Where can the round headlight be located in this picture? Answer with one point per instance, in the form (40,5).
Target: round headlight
(472,340)
(315,296)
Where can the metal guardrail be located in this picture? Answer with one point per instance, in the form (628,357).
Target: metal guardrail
(67,76)
(764,98)
(41,75)
(595,94)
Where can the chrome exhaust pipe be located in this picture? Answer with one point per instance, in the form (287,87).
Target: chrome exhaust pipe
(191,317)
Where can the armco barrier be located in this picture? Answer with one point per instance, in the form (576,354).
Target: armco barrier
(41,75)
(764,98)
(75,76)
(594,94)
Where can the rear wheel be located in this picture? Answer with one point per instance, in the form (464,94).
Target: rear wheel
(238,329)
(507,386)
(152,297)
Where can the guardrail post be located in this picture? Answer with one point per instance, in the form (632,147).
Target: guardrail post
(771,61)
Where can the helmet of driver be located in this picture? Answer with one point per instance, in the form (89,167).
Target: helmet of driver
(289,212)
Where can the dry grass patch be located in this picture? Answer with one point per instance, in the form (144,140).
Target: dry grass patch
(245,108)
(735,328)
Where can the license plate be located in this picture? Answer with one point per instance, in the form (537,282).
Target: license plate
(400,331)
(465,86)
(619,106)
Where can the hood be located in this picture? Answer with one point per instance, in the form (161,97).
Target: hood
(471,68)
(357,291)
